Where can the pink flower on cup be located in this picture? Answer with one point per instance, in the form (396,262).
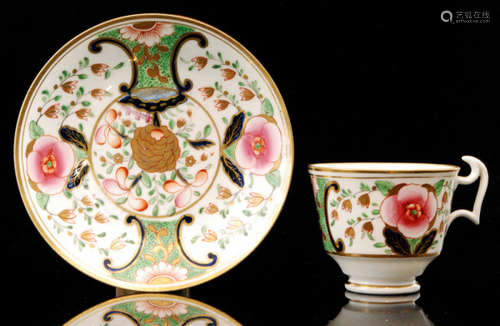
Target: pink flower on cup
(259,148)
(410,210)
(49,163)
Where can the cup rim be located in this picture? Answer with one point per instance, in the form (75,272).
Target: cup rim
(383,167)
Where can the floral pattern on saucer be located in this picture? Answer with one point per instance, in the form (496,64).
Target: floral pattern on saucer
(154,154)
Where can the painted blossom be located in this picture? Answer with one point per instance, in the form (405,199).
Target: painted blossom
(410,210)
(49,163)
(106,134)
(148,33)
(260,146)
(184,191)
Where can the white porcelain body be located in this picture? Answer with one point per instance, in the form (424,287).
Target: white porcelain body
(384,223)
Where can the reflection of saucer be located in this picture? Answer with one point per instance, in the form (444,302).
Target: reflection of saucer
(151,309)
(153,152)
(381,310)
(381,299)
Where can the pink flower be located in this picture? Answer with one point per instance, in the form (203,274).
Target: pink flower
(105,133)
(410,210)
(148,33)
(260,146)
(49,163)
(118,187)
(185,192)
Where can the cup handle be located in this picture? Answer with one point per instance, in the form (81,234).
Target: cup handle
(478,170)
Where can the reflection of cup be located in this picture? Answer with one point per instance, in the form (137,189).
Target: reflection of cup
(386,310)
(383,223)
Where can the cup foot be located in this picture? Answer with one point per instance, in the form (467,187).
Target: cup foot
(370,299)
(382,288)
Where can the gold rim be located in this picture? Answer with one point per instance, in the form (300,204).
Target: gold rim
(231,42)
(393,176)
(444,168)
(150,295)
(381,256)
(382,286)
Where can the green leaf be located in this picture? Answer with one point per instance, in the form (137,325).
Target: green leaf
(247,212)
(155,210)
(42,199)
(57,97)
(413,243)
(85,62)
(274,178)
(138,190)
(375,212)
(267,107)
(229,151)
(379,244)
(207,130)
(35,130)
(438,186)
(102,235)
(80,92)
(45,92)
(107,74)
(113,216)
(121,201)
(79,153)
(82,76)
(146,179)
(68,194)
(86,103)
(130,164)
(364,187)
(216,66)
(384,186)
(171,211)
(118,66)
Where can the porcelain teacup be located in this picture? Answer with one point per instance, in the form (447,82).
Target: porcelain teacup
(383,223)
